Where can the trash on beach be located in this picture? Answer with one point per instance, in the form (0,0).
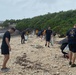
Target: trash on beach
(37,46)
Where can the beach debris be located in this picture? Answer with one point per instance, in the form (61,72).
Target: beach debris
(55,66)
(27,64)
(37,46)
(57,73)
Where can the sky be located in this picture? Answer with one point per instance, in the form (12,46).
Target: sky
(19,9)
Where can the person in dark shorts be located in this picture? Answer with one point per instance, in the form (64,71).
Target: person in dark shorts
(71,35)
(48,36)
(23,37)
(6,48)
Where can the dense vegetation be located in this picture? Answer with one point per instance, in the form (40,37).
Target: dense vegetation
(59,22)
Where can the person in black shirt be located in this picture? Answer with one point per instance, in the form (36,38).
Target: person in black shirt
(48,36)
(71,35)
(40,34)
(23,37)
(6,48)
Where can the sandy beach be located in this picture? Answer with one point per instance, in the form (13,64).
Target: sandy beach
(33,58)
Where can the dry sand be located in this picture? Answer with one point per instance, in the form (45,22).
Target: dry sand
(33,58)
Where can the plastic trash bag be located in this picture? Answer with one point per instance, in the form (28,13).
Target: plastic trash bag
(66,49)
(26,37)
(52,41)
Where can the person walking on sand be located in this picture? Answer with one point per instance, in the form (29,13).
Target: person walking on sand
(71,35)
(48,36)
(6,48)
(23,37)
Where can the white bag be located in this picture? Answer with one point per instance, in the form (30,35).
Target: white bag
(66,49)
(52,41)
(0,48)
(26,37)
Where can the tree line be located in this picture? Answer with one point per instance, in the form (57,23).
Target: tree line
(60,22)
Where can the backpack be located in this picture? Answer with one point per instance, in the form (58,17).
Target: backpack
(72,33)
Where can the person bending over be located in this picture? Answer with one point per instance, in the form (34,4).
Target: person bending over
(23,37)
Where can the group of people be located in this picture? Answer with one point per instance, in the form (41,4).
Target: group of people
(6,48)
(48,35)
